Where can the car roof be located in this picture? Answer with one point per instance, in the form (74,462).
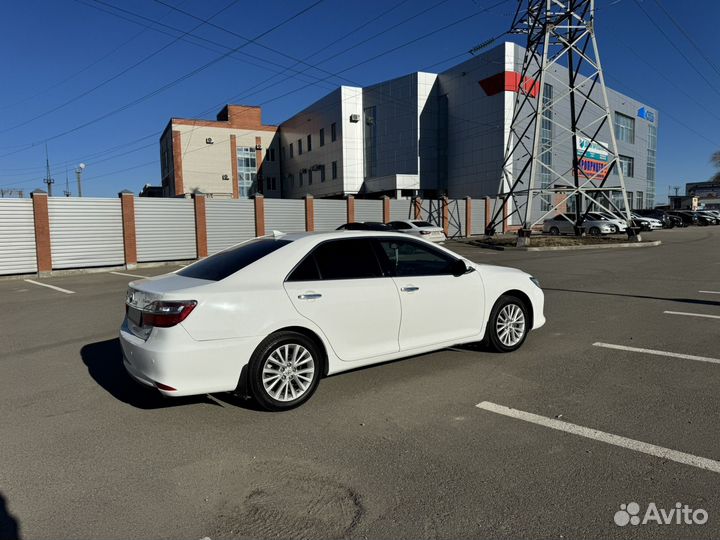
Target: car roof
(327,235)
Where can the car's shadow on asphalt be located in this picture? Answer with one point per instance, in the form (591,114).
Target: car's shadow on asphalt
(104,363)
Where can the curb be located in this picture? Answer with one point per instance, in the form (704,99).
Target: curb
(595,246)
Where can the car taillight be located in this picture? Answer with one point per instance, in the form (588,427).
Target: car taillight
(425,232)
(164,314)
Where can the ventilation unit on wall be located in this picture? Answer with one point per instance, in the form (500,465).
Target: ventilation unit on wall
(258,147)
(209,140)
(225,177)
(354,118)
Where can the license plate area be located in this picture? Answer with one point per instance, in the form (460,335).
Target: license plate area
(135,316)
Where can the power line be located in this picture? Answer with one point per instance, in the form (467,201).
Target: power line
(116,76)
(169,85)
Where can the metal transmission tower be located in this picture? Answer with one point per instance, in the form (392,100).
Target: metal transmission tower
(561,52)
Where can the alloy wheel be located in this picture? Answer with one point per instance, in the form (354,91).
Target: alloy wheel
(510,325)
(288,372)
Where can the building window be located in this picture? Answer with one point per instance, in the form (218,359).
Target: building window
(651,157)
(291,150)
(270,154)
(546,135)
(322,173)
(630,199)
(640,200)
(282,153)
(309,139)
(624,128)
(299,147)
(334,170)
(291,181)
(268,183)
(370,136)
(627,165)
(247,171)
(322,136)
(309,177)
(333,132)
(300,178)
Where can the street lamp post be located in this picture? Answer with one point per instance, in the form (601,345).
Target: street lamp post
(78,173)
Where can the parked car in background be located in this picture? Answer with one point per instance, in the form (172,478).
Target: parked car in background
(710,216)
(688,218)
(619,224)
(565,224)
(423,229)
(270,317)
(641,223)
(364,226)
(668,221)
(655,224)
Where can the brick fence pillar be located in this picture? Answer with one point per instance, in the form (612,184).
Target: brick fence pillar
(445,218)
(42,232)
(127,209)
(351,209)
(200,226)
(309,213)
(259,215)
(505,216)
(417,207)
(386,209)
(468,216)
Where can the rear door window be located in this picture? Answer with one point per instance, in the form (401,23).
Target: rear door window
(339,259)
(406,258)
(225,263)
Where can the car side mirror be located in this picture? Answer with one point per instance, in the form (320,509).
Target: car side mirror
(459,268)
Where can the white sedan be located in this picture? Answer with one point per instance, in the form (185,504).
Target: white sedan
(269,317)
(423,229)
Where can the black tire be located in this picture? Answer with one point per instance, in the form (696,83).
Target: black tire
(594,231)
(492,337)
(261,358)
(554,231)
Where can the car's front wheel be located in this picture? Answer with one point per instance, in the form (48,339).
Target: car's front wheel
(594,231)
(554,231)
(284,371)
(508,325)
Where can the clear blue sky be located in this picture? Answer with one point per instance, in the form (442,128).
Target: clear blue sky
(56,51)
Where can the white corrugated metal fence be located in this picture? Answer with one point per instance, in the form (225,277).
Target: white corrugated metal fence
(165,229)
(17,237)
(229,222)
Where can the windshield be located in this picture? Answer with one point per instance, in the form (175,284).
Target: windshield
(422,224)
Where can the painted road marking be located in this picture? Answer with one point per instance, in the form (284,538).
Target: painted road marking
(692,314)
(709,292)
(658,353)
(609,438)
(50,286)
(128,275)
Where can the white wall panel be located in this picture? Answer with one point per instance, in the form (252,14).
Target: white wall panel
(228,223)
(85,232)
(478,216)
(368,210)
(330,214)
(17,237)
(401,209)
(165,229)
(285,215)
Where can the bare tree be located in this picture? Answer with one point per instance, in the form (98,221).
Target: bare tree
(715,160)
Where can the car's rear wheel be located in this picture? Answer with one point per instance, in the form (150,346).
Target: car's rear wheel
(284,371)
(554,231)
(594,231)
(508,325)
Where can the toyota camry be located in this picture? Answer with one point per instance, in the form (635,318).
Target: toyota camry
(270,317)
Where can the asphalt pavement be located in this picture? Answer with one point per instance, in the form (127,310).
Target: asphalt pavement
(614,401)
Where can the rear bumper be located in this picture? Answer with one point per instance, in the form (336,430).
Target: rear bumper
(170,357)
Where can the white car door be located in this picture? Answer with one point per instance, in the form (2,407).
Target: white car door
(341,288)
(436,305)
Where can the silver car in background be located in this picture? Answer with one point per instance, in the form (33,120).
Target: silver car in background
(565,224)
(420,228)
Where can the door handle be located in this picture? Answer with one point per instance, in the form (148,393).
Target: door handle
(309,296)
(410,288)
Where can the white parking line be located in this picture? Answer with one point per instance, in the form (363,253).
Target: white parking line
(709,292)
(50,286)
(658,353)
(609,438)
(692,314)
(124,274)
